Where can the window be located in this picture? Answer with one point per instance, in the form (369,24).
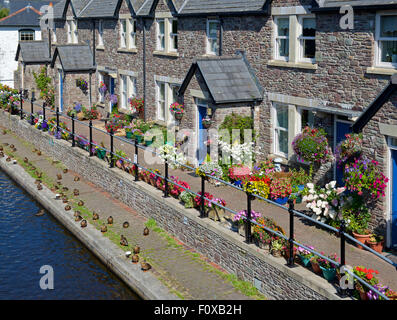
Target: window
(160,43)
(161,107)
(72,31)
(101,79)
(123,33)
(132,33)
(282,38)
(174,35)
(308,39)
(281,129)
(307,118)
(127,89)
(100,33)
(386,36)
(26,35)
(54,34)
(212,37)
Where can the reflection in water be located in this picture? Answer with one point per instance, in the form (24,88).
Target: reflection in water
(28,242)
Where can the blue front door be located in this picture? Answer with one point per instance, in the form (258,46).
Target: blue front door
(394,197)
(342,128)
(202,136)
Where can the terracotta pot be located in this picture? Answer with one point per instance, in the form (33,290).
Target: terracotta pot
(363,294)
(316,267)
(276,253)
(377,246)
(286,253)
(362,238)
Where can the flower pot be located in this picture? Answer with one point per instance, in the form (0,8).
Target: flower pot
(305,261)
(329,274)
(101,154)
(216,213)
(276,253)
(238,183)
(281,201)
(119,164)
(362,293)
(128,135)
(286,253)
(139,139)
(178,116)
(241,229)
(316,267)
(362,238)
(377,246)
(148,143)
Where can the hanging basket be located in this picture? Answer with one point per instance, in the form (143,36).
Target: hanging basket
(178,116)
(206,123)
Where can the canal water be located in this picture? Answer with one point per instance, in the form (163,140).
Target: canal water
(28,242)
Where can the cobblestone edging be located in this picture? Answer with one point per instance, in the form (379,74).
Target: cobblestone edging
(224,247)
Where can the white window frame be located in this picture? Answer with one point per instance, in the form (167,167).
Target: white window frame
(101,78)
(276,37)
(69,30)
(299,120)
(212,39)
(276,128)
(301,38)
(378,39)
(54,34)
(173,39)
(159,102)
(26,31)
(123,33)
(160,37)
(100,33)
(72,32)
(131,33)
(127,89)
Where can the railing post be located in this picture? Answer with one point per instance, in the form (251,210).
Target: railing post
(111,149)
(31,109)
(166,191)
(291,233)
(21,102)
(136,159)
(73,134)
(202,207)
(57,111)
(248,236)
(43,111)
(90,126)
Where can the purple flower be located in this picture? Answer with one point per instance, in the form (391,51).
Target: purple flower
(77,107)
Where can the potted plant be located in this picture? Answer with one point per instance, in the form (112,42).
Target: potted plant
(187,198)
(305,256)
(328,268)
(197,201)
(206,122)
(101,151)
(314,263)
(209,169)
(286,251)
(375,242)
(240,219)
(262,238)
(128,132)
(215,212)
(137,106)
(259,186)
(368,275)
(118,157)
(276,248)
(280,190)
(177,110)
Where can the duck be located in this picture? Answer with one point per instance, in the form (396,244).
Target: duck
(26,160)
(39,153)
(95,216)
(145,266)
(126,224)
(8,159)
(5,144)
(39,187)
(110,220)
(77,213)
(40,213)
(104,228)
(14,149)
(33,168)
(65,199)
(65,189)
(38,181)
(76,178)
(56,187)
(39,175)
(35,150)
(68,207)
(76,192)
(83,223)
(65,170)
(146,231)
(123,241)
(1,148)
(137,249)
(59,176)
(78,218)
(1,154)
(80,203)
(12,146)
(135,258)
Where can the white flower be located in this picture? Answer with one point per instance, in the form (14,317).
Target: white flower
(304,199)
(310,197)
(332,184)
(326,212)
(310,186)
(315,197)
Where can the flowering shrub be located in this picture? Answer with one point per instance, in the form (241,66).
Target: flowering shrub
(242,216)
(259,186)
(312,146)
(367,275)
(239,172)
(265,236)
(324,202)
(326,264)
(207,203)
(176,190)
(365,175)
(61,134)
(305,253)
(177,108)
(172,155)
(40,123)
(267,167)
(240,153)
(280,188)
(115,123)
(210,169)
(349,149)
(187,198)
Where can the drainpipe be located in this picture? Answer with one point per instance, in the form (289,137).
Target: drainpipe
(49,43)
(220,37)
(144,70)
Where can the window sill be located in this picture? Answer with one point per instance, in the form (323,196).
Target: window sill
(381,71)
(288,64)
(101,48)
(167,54)
(124,50)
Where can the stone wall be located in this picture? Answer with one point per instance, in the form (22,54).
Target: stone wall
(222,246)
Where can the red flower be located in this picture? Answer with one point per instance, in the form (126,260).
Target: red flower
(370,276)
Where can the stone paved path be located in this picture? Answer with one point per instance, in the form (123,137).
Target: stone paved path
(185,272)
(305,232)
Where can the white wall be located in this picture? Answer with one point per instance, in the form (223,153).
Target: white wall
(9,38)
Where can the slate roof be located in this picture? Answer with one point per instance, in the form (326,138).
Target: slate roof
(221,6)
(25,17)
(229,80)
(99,9)
(33,52)
(378,103)
(74,58)
(145,9)
(77,6)
(15,5)
(333,4)
(59,9)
